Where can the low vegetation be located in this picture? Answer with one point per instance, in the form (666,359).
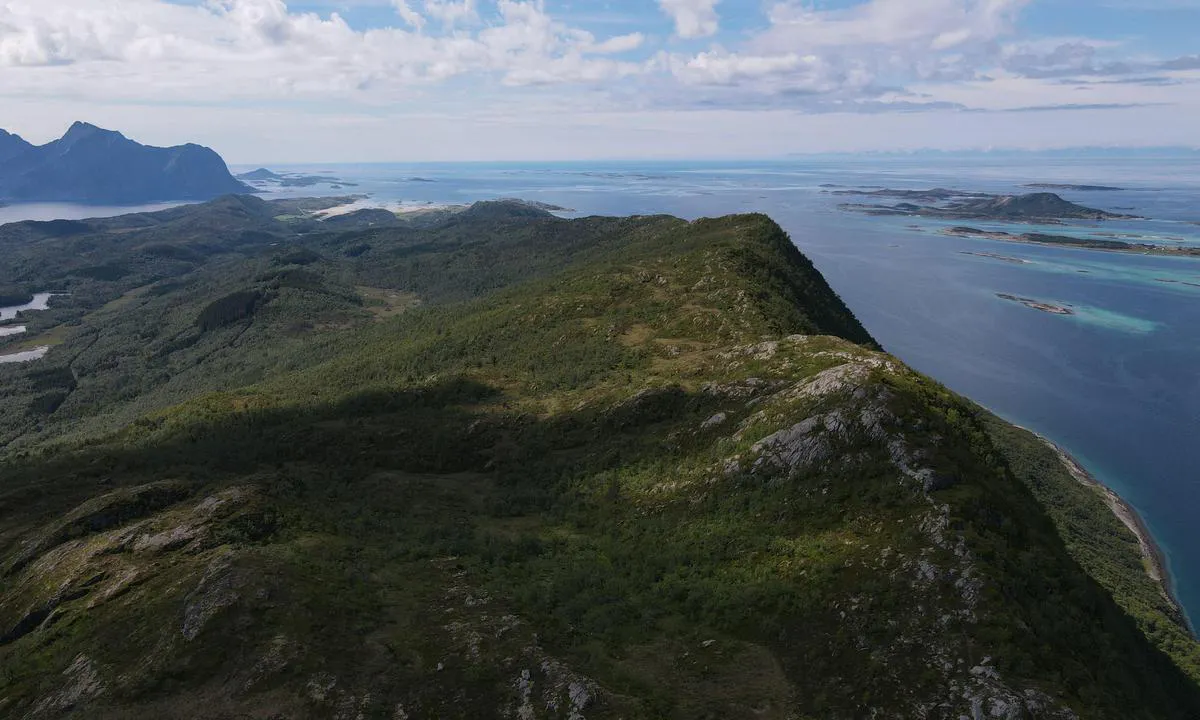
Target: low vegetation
(515,466)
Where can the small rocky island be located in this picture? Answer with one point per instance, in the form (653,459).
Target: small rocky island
(1044,207)
(1037,304)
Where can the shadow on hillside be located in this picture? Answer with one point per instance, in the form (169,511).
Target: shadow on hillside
(460,426)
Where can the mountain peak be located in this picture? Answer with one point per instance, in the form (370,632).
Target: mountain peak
(12,138)
(12,146)
(82,130)
(91,164)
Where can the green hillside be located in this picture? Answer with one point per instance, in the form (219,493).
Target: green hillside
(508,465)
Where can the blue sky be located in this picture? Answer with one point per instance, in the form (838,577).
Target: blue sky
(393,80)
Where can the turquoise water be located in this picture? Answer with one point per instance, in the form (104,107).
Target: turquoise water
(1115,321)
(1116,384)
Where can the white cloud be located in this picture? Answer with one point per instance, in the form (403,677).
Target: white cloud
(408,15)
(693,18)
(720,68)
(854,53)
(619,44)
(918,24)
(237,49)
(470,58)
(450,12)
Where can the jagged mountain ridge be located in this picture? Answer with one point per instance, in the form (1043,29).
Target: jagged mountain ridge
(95,166)
(518,466)
(11,146)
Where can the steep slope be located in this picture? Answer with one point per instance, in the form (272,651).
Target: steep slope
(529,467)
(11,146)
(92,165)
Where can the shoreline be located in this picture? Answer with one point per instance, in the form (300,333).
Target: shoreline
(1153,557)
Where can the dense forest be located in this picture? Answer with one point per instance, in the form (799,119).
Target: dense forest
(502,464)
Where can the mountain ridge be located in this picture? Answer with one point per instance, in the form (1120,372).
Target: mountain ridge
(513,465)
(12,145)
(91,165)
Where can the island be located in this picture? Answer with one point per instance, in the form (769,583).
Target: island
(91,165)
(1038,304)
(1089,243)
(1171,281)
(932,195)
(1045,208)
(996,256)
(263,178)
(1076,188)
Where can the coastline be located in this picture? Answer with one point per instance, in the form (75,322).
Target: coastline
(1153,558)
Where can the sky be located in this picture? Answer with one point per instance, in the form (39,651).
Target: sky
(425,80)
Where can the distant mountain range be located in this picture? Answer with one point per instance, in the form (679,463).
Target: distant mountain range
(1071,153)
(96,166)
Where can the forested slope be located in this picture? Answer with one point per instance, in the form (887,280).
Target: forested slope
(517,466)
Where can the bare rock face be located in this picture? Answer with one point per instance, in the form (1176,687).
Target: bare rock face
(81,684)
(799,446)
(218,589)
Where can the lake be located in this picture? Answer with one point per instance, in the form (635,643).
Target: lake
(41,301)
(25,356)
(1115,383)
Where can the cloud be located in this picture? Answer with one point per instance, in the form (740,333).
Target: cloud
(1082,59)
(450,12)
(408,15)
(1190,62)
(1077,106)
(483,58)
(693,18)
(258,48)
(619,44)
(1070,58)
(718,68)
(848,53)
(922,26)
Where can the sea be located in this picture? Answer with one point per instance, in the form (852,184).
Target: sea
(1116,382)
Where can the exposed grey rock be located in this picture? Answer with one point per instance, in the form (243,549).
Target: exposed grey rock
(215,592)
(796,447)
(83,683)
